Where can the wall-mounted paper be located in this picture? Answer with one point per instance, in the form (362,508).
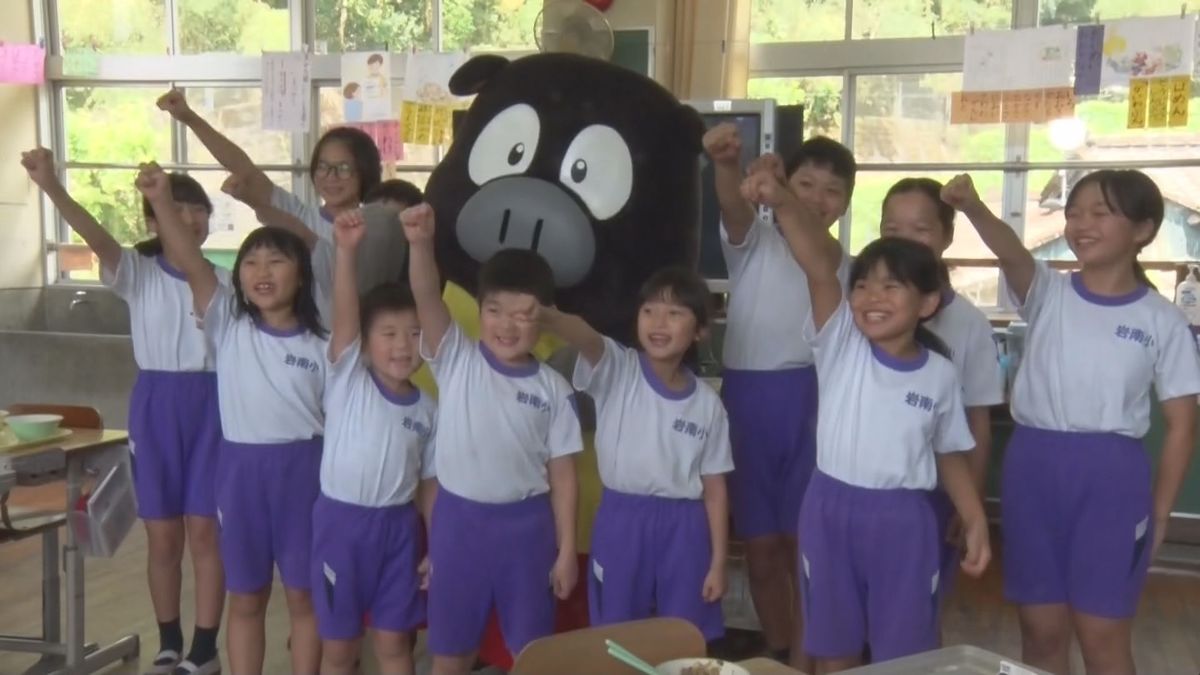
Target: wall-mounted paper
(367,86)
(1089,59)
(287,94)
(1060,103)
(1160,47)
(1138,93)
(982,107)
(386,134)
(1157,102)
(22,64)
(1012,60)
(1181,89)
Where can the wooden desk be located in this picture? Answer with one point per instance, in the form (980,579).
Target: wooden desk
(67,459)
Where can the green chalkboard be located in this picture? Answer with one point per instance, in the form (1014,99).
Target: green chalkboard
(631,48)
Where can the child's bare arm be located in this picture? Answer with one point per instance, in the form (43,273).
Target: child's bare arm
(348,231)
(156,186)
(716,506)
(1016,261)
(577,333)
(40,165)
(724,148)
(432,313)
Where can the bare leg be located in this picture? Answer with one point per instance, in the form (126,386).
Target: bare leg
(338,657)
(164,543)
(306,645)
(1107,644)
(394,651)
(453,665)
(246,631)
(767,561)
(210,574)
(1046,637)
(837,665)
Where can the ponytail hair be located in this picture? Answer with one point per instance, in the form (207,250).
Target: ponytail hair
(1131,194)
(929,340)
(911,263)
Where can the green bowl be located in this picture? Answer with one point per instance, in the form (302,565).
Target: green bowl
(33,427)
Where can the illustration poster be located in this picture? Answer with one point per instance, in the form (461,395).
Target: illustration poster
(428,104)
(367,86)
(1019,60)
(1139,48)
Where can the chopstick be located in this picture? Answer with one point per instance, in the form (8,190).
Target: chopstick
(624,655)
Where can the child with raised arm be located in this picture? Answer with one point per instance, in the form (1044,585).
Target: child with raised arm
(270,352)
(1082,516)
(891,422)
(174,426)
(768,383)
(503,525)
(662,442)
(378,456)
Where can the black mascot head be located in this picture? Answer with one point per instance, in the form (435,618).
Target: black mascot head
(592,165)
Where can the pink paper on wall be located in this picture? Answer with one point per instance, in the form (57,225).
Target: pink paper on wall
(22,64)
(386,135)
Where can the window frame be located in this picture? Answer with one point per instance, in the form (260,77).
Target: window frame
(188,71)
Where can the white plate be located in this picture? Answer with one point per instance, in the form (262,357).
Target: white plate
(676,666)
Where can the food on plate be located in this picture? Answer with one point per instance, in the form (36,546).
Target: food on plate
(703,668)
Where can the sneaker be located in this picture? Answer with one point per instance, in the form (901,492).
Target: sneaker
(212,667)
(164,662)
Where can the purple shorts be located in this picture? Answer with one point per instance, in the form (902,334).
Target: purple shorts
(951,554)
(174,433)
(364,560)
(486,556)
(1076,517)
(868,569)
(265,496)
(649,558)
(773,431)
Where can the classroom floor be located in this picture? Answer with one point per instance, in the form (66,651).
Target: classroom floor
(1166,636)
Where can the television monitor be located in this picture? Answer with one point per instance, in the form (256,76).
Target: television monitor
(755,120)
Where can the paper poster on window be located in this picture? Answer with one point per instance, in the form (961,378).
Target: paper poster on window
(1181,92)
(1138,94)
(1160,47)
(286,91)
(1089,59)
(984,53)
(387,137)
(1018,60)
(367,86)
(22,64)
(1158,102)
(427,76)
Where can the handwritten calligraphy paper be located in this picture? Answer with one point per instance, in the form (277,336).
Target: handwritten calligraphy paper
(1138,94)
(286,86)
(1180,93)
(387,137)
(1157,101)
(1089,59)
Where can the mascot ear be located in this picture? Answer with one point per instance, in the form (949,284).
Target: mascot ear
(474,75)
(690,128)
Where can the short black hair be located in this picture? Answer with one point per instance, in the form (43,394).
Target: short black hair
(185,190)
(375,58)
(681,286)
(390,296)
(397,190)
(304,306)
(910,263)
(517,270)
(824,153)
(367,162)
(931,189)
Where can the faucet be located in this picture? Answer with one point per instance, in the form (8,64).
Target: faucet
(79,298)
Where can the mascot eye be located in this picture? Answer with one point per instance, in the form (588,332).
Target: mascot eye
(599,169)
(506,145)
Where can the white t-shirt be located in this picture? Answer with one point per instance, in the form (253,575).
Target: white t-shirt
(881,419)
(1090,361)
(166,335)
(269,384)
(498,426)
(768,301)
(651,440)
(967,332)
(378,445)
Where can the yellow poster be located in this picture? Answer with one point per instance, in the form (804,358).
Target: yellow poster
(1181,94)
(1157,100)
(1138,93)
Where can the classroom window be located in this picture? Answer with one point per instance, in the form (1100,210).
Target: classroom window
(237,113)
(399,25)
(235,26)
(792,21)
(115,125)
(489,25)
(820,96)
(332,114)
(921,18)
(1085,11)
(906,118)
(114,26)
(1100,132)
